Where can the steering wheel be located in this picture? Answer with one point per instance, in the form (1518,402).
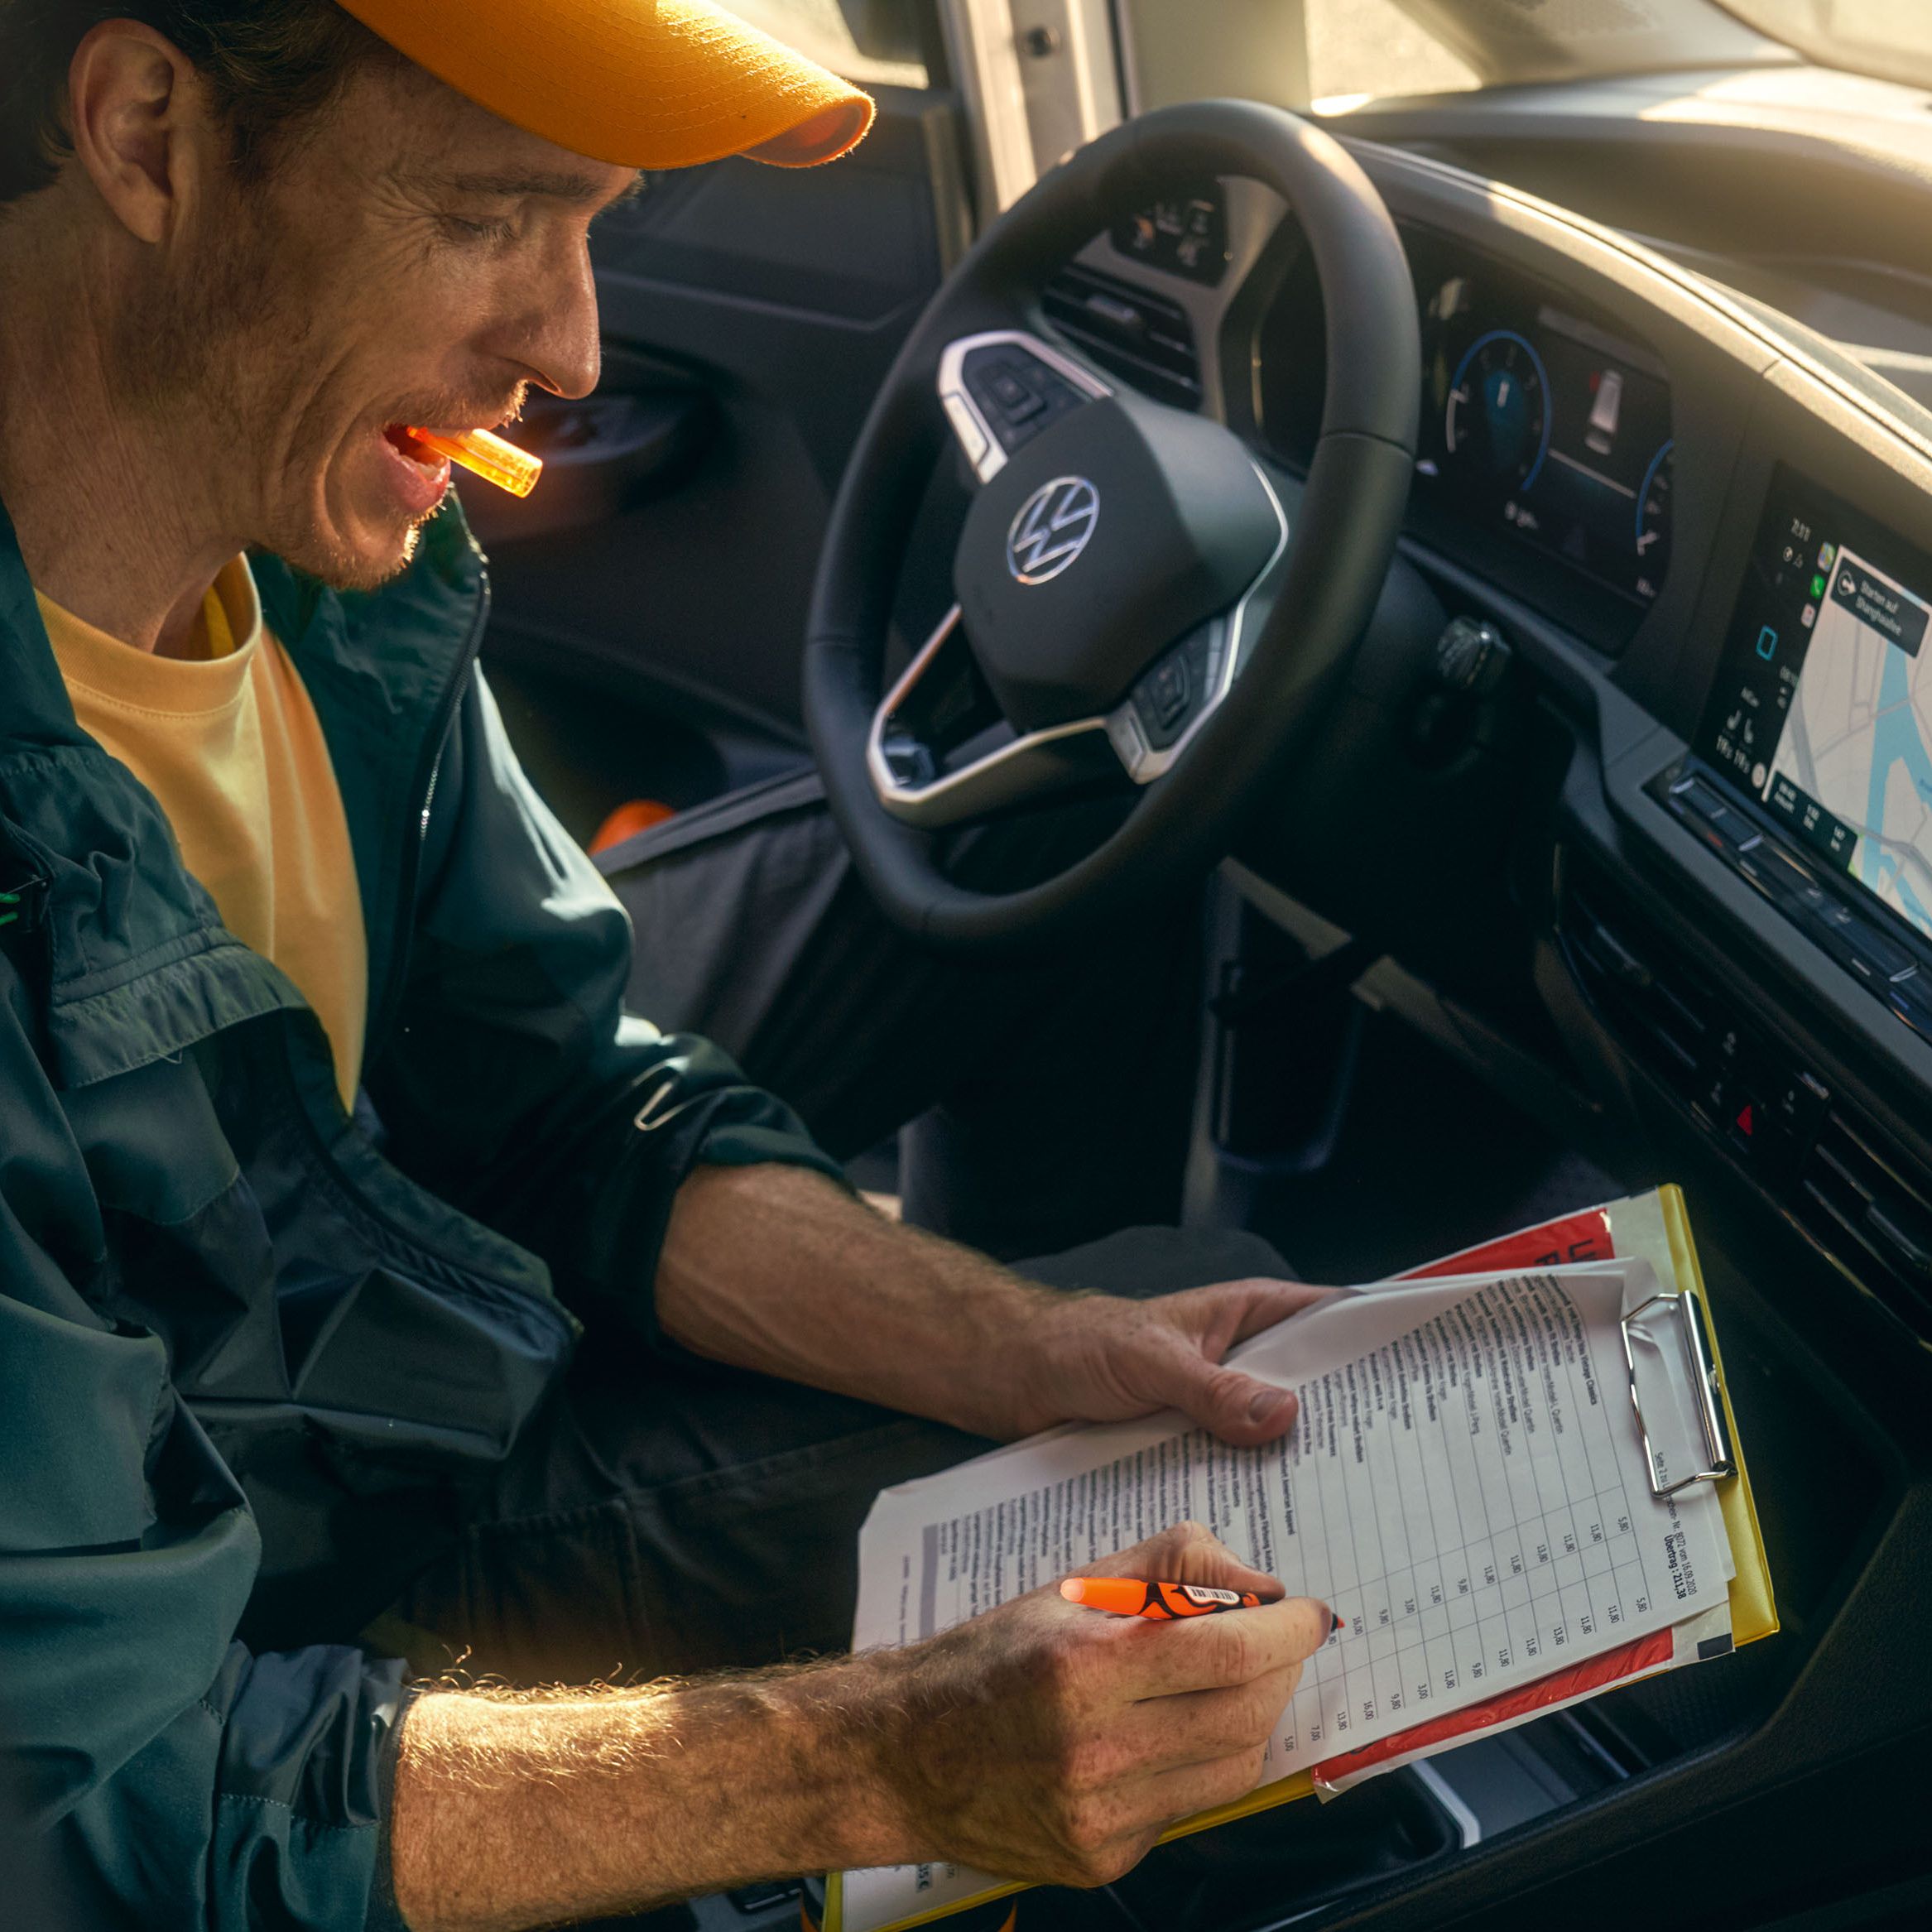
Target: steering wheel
(1132,600)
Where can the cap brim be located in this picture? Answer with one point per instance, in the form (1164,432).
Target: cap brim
(639,84)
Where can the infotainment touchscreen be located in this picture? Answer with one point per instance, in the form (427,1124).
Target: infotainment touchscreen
(1823,709)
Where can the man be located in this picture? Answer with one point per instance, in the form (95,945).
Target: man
(268,1402)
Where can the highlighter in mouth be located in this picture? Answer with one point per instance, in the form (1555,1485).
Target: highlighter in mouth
(486,455)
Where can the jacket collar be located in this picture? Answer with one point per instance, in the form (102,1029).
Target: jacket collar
(138,964)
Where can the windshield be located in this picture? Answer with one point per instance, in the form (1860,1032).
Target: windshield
(1890,38)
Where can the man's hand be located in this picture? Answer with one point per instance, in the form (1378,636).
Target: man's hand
(1101,1359)
(1054,1744)
(1042,1742)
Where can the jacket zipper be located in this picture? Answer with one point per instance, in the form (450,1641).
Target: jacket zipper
(429,769)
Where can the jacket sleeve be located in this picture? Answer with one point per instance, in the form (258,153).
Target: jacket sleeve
(171,1777)
(514,1084)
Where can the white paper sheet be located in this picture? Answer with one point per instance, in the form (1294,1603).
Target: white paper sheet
(1465,1485)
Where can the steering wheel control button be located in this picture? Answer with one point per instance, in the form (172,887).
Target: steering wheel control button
(1053,527)
(1015,400)
(1018,394)
(1170,689)
(1000,390)
(1168,698)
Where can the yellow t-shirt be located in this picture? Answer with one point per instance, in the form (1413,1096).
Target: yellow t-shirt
(227,739)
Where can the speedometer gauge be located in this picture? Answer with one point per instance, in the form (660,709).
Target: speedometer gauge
(1497,428)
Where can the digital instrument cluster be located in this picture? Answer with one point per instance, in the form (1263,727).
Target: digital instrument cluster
(1541,424)
(1544,454)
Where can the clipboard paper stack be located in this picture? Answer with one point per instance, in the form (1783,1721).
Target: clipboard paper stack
(1515,1475)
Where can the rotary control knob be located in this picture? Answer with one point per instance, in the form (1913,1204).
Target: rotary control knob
(1472,657)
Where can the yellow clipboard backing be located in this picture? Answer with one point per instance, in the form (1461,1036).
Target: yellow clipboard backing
(1654,1227)
(1657,1227)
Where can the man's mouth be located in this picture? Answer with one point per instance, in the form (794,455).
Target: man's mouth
(398,438)
(418,476)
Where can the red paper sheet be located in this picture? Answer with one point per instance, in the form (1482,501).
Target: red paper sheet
(1576,1237)
(1645,1653)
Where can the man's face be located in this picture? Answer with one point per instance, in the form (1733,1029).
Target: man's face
(410,259)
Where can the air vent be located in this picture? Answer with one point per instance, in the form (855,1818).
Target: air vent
(1827,1168)
(1858,1205)
(1665,1024)
(1143,339)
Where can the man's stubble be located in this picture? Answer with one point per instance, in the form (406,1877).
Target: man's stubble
(218,364)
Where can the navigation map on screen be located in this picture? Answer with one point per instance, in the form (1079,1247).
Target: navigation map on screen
(1858,739)
(1824,711)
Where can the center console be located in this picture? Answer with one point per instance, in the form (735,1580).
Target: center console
(1807,777)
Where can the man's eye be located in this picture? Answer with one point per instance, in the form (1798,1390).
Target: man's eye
(462,229)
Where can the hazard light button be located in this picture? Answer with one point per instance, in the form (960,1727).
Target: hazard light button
(1757,1136)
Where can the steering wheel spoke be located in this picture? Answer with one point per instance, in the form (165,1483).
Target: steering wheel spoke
(1002,387)
(941,753)
(1182,689)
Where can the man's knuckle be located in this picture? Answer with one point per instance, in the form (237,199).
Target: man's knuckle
(1090,1763)
(1232,1655)
(1235,1775)
(1089,1825)
(1261,1709)
(1116,1860)
(1061,1668)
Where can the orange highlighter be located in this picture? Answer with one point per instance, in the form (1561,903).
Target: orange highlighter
(486,455)
(1127,1596)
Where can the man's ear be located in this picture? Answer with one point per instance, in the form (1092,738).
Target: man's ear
(139,118)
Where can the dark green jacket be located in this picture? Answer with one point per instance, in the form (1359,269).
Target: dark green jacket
(245,1355)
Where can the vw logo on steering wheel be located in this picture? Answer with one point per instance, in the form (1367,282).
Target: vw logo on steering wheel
(1052,528)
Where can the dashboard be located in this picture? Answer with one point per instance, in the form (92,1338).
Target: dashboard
(1638,750)
(1630,781)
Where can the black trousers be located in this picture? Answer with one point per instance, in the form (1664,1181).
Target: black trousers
(670,1514)
(1044,1102)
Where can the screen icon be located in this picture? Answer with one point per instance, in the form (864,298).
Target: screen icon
(1827,556)
(1767,643)
(1605,411)
(1817,588)
(1811,616)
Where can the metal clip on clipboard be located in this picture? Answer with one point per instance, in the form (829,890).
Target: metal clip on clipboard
(1719,1460)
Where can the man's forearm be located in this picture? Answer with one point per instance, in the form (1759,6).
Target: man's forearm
(776,1269)
(1037,1741)
(516,1810)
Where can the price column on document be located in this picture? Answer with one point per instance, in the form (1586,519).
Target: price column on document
(1457,1496)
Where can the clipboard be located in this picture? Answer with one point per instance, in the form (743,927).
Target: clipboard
(1654,1227)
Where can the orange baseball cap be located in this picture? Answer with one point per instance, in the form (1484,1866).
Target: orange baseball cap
(639,84)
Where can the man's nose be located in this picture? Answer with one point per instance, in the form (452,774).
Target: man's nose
(556,337)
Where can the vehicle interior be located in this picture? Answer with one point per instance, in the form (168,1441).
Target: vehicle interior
(1512,484)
